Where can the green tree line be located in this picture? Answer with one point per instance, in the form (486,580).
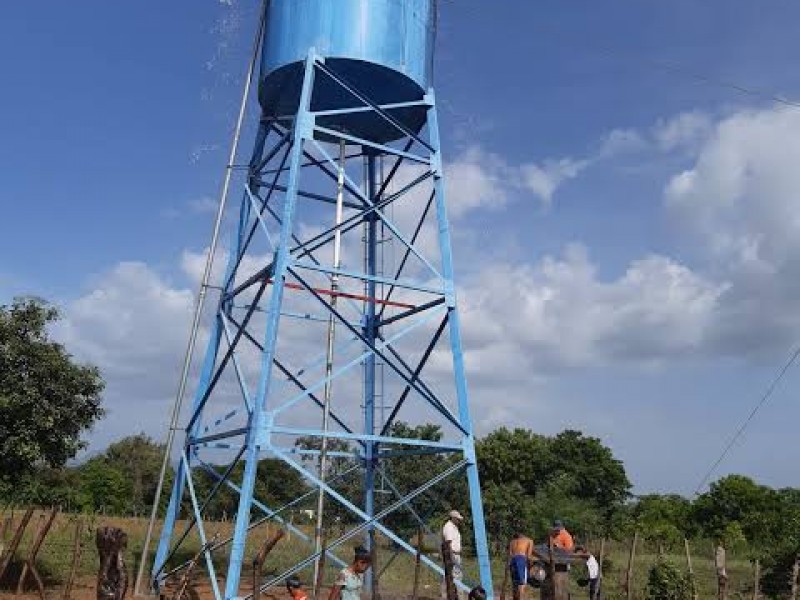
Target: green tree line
(48,400)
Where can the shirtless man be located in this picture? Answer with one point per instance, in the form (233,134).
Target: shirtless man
(520,553)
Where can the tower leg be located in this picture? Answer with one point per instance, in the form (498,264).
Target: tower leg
(178,486)
(260,420)
(468,440)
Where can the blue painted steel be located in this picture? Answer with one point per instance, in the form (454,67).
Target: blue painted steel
(445,246)
(385,47)
(178,485)
(336,98)
(258,434)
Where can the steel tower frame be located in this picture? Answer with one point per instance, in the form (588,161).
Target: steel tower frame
(289,151)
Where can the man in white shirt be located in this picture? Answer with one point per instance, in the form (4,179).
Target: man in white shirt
(593,568)
(451,533)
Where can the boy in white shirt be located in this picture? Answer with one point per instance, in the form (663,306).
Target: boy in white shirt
(593,568)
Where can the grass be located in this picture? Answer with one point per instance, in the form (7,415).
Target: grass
(395,580)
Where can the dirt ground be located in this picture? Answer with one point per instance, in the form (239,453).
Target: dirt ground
(84,589)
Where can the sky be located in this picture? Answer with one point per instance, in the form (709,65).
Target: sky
(625,208)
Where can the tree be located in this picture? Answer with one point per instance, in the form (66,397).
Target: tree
(46,399)
(663,518)
(104,487)
(138,458)
(517,455)
(737,502)
(597,474)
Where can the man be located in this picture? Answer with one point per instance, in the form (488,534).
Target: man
(295,588)
(520,553)
(560,537)
(593,569)
(452,534)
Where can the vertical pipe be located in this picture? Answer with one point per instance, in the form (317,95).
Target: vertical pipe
(199,304)
(370,334)
(326,405)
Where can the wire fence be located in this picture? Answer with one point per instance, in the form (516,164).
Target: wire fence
(396,569)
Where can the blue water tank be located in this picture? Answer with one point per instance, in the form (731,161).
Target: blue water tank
(384,48)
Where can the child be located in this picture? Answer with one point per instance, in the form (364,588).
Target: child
(350,580)
(593,568)
(295,589)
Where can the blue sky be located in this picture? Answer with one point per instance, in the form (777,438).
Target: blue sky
(647,218)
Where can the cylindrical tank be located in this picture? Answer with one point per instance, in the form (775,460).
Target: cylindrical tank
(384,48)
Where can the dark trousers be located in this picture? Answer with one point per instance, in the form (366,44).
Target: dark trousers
(594,589)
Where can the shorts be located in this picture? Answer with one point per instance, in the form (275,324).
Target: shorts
(519,569)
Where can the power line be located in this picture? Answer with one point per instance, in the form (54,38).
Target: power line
(763,400)
(677,69)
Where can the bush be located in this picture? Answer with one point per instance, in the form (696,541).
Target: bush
(666,582)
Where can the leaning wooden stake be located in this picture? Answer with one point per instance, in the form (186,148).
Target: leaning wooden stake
(757,580)
(186,578)
(629,573)
(449,584)
(258,561)
(417,564)
(722,572)
(5,560)
(112,578)
(77,548)
(30,562)
(7,523)
(690,569)
(795,574)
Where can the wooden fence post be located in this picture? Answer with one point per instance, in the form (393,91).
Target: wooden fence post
(629,573)
(112,578)
(722,572)
(795,574)
(757,580)
(600,567)
(77,548)
(692,582)
(417,563)
(258,561)
(449,585)
(14,544)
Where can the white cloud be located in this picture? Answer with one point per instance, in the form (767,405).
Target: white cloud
(565,315)
(686,129)
(543,180)
(739,200)
(133,325)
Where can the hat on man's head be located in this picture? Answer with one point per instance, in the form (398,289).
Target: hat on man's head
(558,524)
(454,514)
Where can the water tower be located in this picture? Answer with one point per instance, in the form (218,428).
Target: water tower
(335,328)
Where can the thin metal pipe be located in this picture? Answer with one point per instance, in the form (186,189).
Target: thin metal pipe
(200,302)
(326,408)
